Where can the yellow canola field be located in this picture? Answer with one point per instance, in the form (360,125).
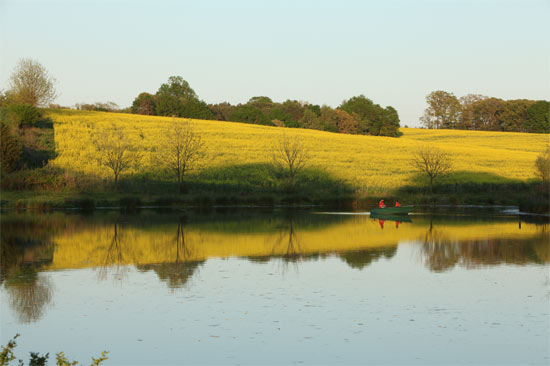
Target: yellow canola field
(96,247)
(362,161)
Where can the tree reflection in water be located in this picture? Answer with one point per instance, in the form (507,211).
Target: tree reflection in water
(363,258)
(116,257)
(30,299)
(442,253)
(21,258)
(178,273)
(288,243)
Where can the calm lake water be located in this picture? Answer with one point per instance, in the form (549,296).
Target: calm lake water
(255,287)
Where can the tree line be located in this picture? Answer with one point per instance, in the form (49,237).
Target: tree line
(479,112)
(357,115)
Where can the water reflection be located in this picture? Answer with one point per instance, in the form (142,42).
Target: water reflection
(177,273)
(442,252)
(176,247)
(24,250)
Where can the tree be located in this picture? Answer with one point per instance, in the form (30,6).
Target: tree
(537,117)
(329,118)
(31,84)
(144,104)
(373,119)
(115,151)
(179,88)
(443,110)
(249,114)
(347,123)
(311,120)
(467,115)
(290,155)
(542,165)
(182,150)
(486,114)
(221,111)
(432,162)
(11,148)
(513,115)
(390,125)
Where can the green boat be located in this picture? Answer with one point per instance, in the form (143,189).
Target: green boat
(400,218)
(387,211)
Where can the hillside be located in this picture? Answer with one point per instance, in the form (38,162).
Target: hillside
(237,152)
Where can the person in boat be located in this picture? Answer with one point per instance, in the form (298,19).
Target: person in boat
(397,204)
(381,204)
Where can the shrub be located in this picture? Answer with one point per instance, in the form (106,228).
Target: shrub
(22,115)
(11,148)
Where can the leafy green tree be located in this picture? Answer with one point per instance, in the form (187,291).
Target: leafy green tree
(486,114)
(311,120)
(168,105)
(249,114)
(467,110)
(373,119)
(179,88)
(144,104)
(443,110)
(536,117)
(11,148)
(278,114)
(390,124)
(197,109)
(265,104)
(513,115)
(31,84)
(330,119)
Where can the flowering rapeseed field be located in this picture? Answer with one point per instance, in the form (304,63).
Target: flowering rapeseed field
(366,162)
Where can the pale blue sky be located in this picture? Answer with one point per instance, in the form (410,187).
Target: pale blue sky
(394,52)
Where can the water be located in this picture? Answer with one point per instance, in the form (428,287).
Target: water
(259,287)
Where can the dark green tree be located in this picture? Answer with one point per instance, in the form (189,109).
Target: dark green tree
(249,114)
(513,115)
(536,117)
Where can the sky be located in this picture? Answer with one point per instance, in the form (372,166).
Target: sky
(393,52)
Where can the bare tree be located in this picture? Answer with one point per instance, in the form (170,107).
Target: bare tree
(432,162)
(182,150)
(30,83)
(290,155)
(115,151)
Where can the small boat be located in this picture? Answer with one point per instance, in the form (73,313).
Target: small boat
(387,211)
(399,218)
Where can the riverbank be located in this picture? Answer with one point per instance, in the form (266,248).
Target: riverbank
(531,200)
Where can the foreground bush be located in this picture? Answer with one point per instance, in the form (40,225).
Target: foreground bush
(6,356)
